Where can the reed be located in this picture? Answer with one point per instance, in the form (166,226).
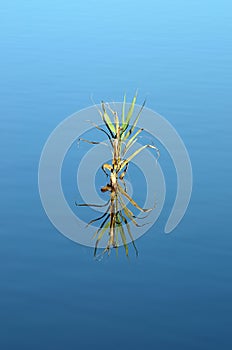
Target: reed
(122,135)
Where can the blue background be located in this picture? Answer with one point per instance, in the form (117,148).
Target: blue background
(178,293)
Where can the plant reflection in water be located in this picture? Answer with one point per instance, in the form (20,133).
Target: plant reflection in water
(122,136)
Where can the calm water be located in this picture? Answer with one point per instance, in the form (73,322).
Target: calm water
(178,293)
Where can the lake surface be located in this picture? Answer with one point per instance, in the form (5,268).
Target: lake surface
(178,293)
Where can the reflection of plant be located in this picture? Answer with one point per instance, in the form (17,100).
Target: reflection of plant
(122,137)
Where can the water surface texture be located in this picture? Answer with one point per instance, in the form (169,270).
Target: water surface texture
(178,293)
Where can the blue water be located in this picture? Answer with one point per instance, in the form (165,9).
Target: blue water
(54,56)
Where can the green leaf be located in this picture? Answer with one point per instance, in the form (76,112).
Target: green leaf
(129,115)
(131,141)
(108,121)
(129,232)
(103,228)
(123,236)
(123,110)
(131,109)
(135,154)
(135,123)
(106,226)
(116,124)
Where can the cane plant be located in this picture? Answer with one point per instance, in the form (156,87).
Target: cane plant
(122,135)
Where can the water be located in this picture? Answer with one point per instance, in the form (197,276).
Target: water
(177,294)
